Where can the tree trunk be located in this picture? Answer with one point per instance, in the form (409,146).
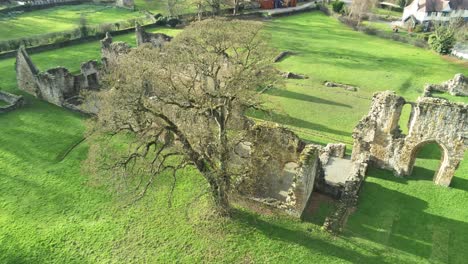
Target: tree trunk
(200,12)
(216,8)
(224,179)
(236,7)
(221,200)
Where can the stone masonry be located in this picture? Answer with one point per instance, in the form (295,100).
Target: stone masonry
(432,120)
(12,102)
(156,39)
(457,86)
(56,85)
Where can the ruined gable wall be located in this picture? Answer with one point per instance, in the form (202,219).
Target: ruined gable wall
(111,50)
(156,39)
(432,120)
(26,72)
(55,85)
(440,121)
(377,132)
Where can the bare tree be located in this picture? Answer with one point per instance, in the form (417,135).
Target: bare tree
(236,4)
(360,8)
(185,105)
(174,7)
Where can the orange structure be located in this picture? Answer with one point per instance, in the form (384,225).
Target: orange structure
(271,4)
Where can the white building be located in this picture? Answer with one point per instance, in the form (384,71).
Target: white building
(425,11)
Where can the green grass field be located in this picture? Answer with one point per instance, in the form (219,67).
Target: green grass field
(61,18)
(52,212)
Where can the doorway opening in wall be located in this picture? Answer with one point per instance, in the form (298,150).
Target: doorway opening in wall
(93,81)
(427,159)
(460,180)
(405,116)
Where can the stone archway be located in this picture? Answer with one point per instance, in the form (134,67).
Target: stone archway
(443,163)
(378,136)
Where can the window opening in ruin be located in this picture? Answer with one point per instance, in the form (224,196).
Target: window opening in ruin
(427,160)
(405,118)
(93,81)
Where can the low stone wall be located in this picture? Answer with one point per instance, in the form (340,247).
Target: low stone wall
(335,222)
(13,102)
(156,39)
(457,86)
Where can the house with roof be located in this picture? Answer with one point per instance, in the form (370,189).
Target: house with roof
(427,11)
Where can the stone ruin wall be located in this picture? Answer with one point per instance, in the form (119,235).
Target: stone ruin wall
(56,85)
(457,86)
(129,4)
(13,102)
(61,87)
(156,39)
(287,169)
(432,120)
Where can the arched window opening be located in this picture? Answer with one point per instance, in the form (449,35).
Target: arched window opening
(405,116)
(427,160)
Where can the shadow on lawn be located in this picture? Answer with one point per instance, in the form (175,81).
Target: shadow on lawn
(401,221)
(304,97)
(310,241)
(296,122)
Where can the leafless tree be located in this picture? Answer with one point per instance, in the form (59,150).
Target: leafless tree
(360,8)
(184,105)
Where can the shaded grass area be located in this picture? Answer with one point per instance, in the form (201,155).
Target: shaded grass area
(51,211)
(412,214)
(60,18)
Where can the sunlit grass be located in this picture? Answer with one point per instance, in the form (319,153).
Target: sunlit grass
(61,18)
(53,212)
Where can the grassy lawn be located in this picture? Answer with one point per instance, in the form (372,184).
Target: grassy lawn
(61,18)
(154,6)
(52,212)
(329,51)
(387,12)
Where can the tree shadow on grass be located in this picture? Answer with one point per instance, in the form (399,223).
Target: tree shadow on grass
(400,221)
(296,122)
(315,243)
(304,97)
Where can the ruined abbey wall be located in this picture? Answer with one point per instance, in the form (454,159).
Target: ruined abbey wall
(156,39)
(457,86)
(432,120)
(284,168)
(12,102)
(56,85)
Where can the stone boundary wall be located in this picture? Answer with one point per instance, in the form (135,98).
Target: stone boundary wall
(13,101)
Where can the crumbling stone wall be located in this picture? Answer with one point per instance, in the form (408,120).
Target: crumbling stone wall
(432,120)
(111,50)
(56,85)
(347,203)
(13,102)
(457,86)
(130,4)
(284,167)
(156,39)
